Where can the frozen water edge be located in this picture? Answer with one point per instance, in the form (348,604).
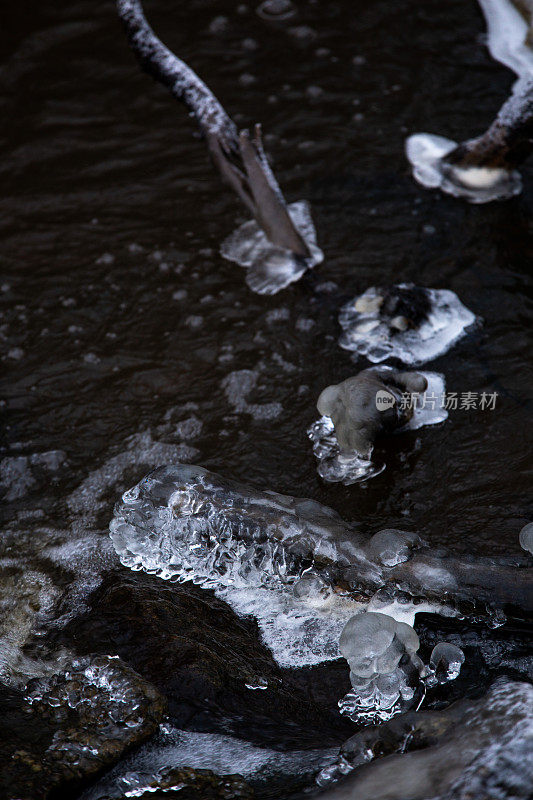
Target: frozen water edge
(368,332)
(426,153)
(271,268)
(334,467)
(224,755)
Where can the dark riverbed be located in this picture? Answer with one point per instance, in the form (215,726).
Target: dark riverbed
(120,317)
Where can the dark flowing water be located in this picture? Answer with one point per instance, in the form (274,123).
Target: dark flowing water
(98,343)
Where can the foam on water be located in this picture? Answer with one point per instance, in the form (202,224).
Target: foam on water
(368,332)
(335,467)
(270,268)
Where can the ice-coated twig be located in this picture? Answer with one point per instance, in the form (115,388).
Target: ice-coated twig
(239,156)
(184,523)
(484,168)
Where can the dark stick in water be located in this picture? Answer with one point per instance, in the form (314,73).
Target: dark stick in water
(239,157)
(507,142)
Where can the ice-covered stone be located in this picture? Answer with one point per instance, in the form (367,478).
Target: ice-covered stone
(376,401)
(526,538)
(184,523)
(271,268)
(406,322)
(470,749)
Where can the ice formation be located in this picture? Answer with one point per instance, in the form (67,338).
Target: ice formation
(445,663)
(270,268)
(253,548)
(351,412)
(427,152)
(384,667)
(484,169)
(508,32)
(281,244)
(406,322)
(526,538)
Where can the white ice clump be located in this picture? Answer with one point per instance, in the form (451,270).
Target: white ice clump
(348,469)
(526,538)
(373,331)
(271,268)
(426,153)
(382,657)
(445,663)
(251,549)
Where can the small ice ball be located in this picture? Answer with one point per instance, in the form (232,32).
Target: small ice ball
(446,661)
(526,537)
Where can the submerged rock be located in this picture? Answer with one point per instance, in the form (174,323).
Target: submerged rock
(472,749)
(407,322)
(69,727)
(239,767)
(199,655)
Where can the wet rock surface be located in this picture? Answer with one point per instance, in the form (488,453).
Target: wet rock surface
(470,749)
(204,658)
(66,729)
(192,784)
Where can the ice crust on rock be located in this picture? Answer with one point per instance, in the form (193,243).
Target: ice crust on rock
(412,324)
(254,547)
(426,153)
(382,656)
(335,466)
(526,538)
(270,268)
